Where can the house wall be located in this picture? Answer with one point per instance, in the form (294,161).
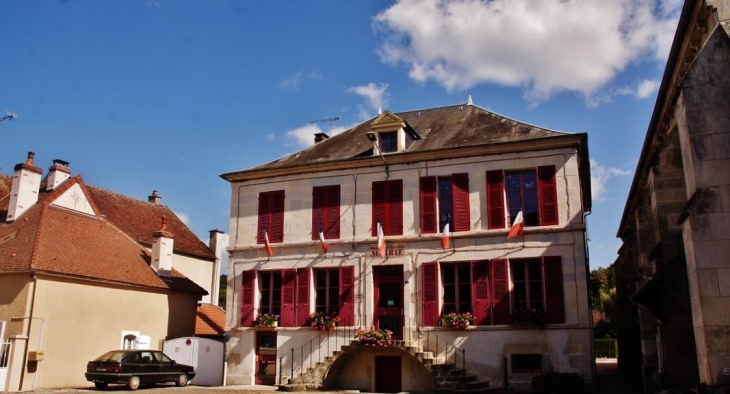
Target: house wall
(567,347)
(14,294)
(199,271)
(81,321)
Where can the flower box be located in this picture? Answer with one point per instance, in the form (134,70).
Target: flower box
(528,317)
(373,337)
(456,320)
(324,321)
(266,320)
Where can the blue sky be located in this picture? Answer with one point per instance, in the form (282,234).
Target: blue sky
(142,95)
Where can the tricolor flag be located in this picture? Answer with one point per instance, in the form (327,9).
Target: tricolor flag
(267,244)
(325,247)
(445,236)
(381,241)
(517,226)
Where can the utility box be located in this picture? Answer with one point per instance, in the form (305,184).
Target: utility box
(35,356)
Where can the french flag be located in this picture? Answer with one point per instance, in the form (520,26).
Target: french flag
(445,236)
(517,227)
(325,247)
(381,240)
(267,244)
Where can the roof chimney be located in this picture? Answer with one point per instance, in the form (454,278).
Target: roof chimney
(57,174)
(24,192)
(217,244)
(319,137)
(162,250)
(154,198)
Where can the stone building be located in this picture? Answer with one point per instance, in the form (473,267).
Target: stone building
(673,270)
(460,175)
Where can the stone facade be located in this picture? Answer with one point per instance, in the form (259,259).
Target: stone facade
(674,262)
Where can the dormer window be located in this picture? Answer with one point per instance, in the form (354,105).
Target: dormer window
(388,142)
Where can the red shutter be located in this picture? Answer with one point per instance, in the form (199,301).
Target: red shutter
(495,199)
(548,195)
(332,227)
(347,296)
(276,234)
(288,288)
(395,208)
(428,205)
(500,292)
(247,288)
(303,311)
(430,294)
(319,216)
(460,197)
(264,217)
(554,303)
(379,205)
(480,288)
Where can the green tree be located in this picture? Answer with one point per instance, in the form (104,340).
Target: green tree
(602,287)
(222,291)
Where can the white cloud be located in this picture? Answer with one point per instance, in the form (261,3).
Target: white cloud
(600,175)
(291,83)
(545,46)
(376,96)
(304,136)
(184,217)
(270,137)
(646,88)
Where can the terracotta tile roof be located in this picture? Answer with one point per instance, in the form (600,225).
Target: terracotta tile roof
(439,128)
(210,321)
(139,219)
(55,240)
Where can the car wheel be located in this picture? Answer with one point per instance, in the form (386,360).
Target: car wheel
(101,385)
(182,379)
(133,383)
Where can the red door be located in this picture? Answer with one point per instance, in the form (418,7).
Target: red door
(266,358)
(388,283)
(387,374)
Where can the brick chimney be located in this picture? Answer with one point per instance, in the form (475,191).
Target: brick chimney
(319,137)
(154,198)
(216,243)
(25,188)
(57,174)
(162,250)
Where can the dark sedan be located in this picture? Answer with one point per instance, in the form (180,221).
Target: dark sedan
(135,367)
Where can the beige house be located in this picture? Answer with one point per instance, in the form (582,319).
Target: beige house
(673,270)
(84,270)
(443,186)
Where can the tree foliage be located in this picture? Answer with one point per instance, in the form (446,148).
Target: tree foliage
(602,287)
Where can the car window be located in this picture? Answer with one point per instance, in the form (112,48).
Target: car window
(161,357)
(146,357)
(111,356)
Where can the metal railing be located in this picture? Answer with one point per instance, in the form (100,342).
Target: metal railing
(448,348)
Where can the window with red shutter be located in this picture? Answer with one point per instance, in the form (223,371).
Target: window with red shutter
(347,295)
(429,299)
(548,196)
(302,306)
(495,200)
(460,195)
(481,301)
(428,205)
(387,206)
(271,216)
(288,299)
(270,291)
(247,289)
(500,292)
(326,211)
(554,302)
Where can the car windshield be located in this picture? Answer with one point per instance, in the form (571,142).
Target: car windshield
(114,355)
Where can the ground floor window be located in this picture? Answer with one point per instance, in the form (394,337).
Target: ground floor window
(526,363)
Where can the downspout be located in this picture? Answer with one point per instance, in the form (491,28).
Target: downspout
(27,341)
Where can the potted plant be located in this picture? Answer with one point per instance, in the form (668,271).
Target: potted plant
(373,337)
(266,320)
(457,320)
(323,321)
(522,316)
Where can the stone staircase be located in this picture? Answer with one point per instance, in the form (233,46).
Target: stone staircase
(448,378)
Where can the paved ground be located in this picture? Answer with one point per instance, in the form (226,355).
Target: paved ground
(607,382)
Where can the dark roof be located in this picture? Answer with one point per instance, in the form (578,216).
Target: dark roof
(210,321)
(59,241)
(439,128)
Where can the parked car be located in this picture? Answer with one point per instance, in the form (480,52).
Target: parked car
(135,367)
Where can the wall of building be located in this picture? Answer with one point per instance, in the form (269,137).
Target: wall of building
(14,295)
(567,346)
(81,321)
(199,271)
